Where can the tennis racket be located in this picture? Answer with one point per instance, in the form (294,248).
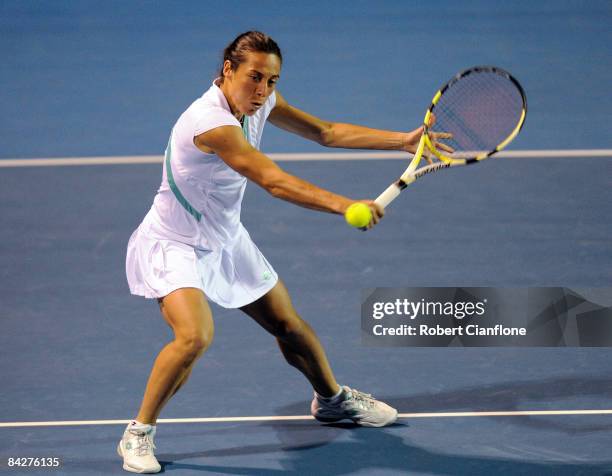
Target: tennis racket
(477,113)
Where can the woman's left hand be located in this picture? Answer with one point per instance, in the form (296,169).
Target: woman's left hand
(413,138)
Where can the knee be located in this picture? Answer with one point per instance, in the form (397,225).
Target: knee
(194,344)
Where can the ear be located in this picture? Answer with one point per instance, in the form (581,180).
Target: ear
(227,69)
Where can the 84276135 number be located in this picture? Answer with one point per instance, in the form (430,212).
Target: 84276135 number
(32,462)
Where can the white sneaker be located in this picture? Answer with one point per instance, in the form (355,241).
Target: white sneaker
(136,447)
(353,405)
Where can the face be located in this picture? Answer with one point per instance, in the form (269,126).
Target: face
(248,87)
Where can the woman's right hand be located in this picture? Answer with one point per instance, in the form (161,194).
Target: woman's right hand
(376,210)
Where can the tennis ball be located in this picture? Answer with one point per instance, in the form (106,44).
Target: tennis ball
(358,215)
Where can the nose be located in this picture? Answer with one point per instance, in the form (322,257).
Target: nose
(262,89)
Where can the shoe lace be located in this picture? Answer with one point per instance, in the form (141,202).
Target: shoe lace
(144,443)
(361,399)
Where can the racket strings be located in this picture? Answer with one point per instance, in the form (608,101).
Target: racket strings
(481,110)
(480,113)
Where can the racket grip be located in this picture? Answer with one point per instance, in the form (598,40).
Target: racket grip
(385,198)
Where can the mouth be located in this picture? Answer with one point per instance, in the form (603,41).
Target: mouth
(256,105)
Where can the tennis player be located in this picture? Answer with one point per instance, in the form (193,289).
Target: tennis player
(191,246)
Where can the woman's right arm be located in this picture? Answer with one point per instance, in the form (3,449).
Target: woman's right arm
(229,143)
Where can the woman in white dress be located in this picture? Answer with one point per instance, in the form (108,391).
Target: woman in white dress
(192,247)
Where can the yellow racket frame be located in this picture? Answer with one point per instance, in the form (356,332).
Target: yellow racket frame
(427,140)
(411,173)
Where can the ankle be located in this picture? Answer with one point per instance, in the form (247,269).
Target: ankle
(142,422)
(330,397)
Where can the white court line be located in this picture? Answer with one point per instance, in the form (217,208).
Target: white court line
(289,157)
(306,417)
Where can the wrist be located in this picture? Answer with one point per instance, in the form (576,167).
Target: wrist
(404,141)
(342,205)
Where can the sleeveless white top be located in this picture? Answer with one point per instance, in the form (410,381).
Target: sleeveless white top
(205,212)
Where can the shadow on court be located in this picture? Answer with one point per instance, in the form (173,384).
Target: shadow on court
(317,453)
(307,448)
(557,394)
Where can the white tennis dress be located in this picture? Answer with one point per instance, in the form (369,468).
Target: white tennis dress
(192,235)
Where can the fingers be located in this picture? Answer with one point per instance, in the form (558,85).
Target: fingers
(428,156)
(444,147)
(441,135)
(377,213)
(437,137)
(377,210)
(416,134)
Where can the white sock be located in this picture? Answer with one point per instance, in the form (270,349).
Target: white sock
(138,425)
(333,397)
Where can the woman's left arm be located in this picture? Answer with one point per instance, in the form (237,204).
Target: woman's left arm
(335,134)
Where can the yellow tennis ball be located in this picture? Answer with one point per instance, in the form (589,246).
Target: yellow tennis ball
(358,215)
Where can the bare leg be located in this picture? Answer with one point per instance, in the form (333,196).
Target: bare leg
(189,316)
(296,339)
(186,373)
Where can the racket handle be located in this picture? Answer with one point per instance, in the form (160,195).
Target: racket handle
(385,198)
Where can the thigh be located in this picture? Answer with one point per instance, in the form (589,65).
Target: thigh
(187,312)
(274,311)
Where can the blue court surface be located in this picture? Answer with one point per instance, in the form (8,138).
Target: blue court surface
(88,79)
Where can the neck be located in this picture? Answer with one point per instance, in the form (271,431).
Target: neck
(225,90)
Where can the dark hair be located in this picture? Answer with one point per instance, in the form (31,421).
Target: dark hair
(250,41)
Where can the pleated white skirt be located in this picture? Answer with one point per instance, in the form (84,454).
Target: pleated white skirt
(233,276)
